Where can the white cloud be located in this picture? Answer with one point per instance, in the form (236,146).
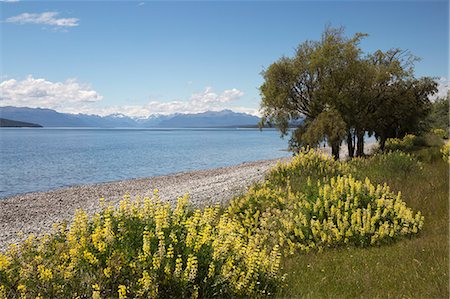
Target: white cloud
(209,96)
(443,87)
(46,18)
(207,100)
(72,96)
(9,1)
(33,93)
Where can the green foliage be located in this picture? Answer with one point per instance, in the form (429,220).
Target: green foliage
(305,166)
(303,86)
(405,144)
(146,248)
(328,125)
(143,249)
(375,92)
(441,133)
(325,209)
(425,148)
(403,108)
(411,268)
(445,150)
(439,115)
(397,163)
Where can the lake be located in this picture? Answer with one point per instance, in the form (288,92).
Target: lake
(41,159)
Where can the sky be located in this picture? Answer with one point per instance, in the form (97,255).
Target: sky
(142,57)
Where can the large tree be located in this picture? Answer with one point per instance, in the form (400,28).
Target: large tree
(399,102)
(331,83)
(439,115)
(318,78)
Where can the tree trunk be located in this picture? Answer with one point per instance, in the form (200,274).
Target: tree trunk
(335,147)
(360,143)
(350,146)
(382,143)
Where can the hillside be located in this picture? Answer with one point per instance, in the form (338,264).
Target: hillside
(210,119)
(13,123)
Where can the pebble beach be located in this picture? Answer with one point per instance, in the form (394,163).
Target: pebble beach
(36,212)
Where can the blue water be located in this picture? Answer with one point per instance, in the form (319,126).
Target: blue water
(40,159)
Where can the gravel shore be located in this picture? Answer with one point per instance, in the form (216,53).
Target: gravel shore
(36,212)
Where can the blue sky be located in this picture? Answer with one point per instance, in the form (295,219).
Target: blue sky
(140,58)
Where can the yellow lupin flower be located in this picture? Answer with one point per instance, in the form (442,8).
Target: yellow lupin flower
(96,291)
(45,274)
(122,290)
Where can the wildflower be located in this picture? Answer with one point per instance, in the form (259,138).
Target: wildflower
(45,274)
(4,262)
(95,291)
(107,271)
(122,290)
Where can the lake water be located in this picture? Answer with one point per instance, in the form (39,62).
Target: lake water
(40,159)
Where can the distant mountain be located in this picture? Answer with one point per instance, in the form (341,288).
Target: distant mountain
(52,118)
(44,117)
(153,120)
(13,123)
(210,119)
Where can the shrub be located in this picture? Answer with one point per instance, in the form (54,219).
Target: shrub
(340,210)
(441,133)
(445,150)
(404,144)
(142,249)
(393,164)
(305,166)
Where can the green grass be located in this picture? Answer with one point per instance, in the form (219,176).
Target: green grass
(411,268)
(147,249)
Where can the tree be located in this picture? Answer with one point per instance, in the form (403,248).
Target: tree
(327,126)
(439,114)
(330,84)
(314,81)
(403,109)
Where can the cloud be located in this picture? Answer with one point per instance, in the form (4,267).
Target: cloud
(72,96)
(209,96)
(34,93)
(46,18)
(206,100)
(9,1)
(141,3)
(443,87)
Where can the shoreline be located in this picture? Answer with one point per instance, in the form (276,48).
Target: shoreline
(36,212)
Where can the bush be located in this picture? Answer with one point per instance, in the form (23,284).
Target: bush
(411,143)
(404,144)
(143,249)
(445,150)
(394,164)
(342,210)
(441,133)
(305,166)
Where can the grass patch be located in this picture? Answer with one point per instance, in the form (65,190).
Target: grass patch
(411,268)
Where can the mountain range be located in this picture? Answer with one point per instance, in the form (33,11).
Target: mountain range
(52,118)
